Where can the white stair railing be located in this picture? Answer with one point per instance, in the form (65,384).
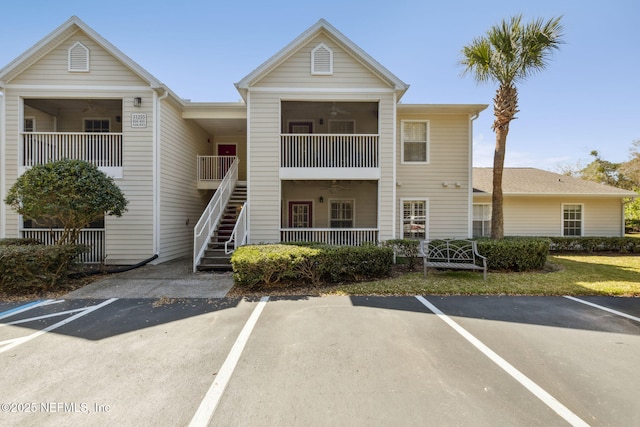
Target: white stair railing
(240,232)
(211,216)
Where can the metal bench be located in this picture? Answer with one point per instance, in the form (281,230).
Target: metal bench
(452,254)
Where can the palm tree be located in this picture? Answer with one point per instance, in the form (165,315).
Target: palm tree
(508,54)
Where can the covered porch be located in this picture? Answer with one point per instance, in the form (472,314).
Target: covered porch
(335,212)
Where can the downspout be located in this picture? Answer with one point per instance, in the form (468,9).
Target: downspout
(472,117)
(156,167)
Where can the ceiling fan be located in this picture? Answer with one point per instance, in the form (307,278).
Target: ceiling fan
(335,111)
(335,187)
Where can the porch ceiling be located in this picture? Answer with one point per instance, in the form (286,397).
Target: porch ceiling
(218,118)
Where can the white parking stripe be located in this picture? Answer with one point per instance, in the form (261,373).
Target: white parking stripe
(23,308)
(44,316)
(534,388)
(619,313)
(212,398)
(16,342)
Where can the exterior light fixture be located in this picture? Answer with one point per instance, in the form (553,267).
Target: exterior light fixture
(137,102)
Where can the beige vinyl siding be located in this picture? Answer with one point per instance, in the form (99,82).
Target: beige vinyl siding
(542,215)
(129,239)
(44,121)
(347,71)
(181,203)
(10,167)
(264,177)
(448,155)
(104,69)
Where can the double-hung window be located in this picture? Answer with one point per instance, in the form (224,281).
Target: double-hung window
(341,214)
(572,220)
(414,219)
(481,220)
(415,141)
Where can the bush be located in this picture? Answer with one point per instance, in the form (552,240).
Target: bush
(267,265)
(623,245)
(515,253)
(19,242)
(27,267)
(408,250)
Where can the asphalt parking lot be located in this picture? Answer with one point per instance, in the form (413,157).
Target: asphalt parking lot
(321,361)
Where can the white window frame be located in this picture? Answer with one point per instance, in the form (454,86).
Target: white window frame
(322,72)
(73,64)
(353,212)
(84,123)
(33,124)
(562,220)
(426,217)
(427,143)
(333,122)
(486,207)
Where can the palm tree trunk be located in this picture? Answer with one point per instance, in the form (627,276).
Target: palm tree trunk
(497,216)
(505,107)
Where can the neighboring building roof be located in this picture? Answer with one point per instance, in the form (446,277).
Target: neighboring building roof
(319,27)
(531,181)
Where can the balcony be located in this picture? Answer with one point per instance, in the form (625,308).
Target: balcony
(211,170)
(329,156)
(101,149)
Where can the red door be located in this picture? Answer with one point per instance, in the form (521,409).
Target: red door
(227,152)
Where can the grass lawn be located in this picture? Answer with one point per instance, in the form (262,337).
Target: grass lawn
(612,275)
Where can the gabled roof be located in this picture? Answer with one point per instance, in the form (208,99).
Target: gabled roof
(322,27)
(531,181)
(57,36)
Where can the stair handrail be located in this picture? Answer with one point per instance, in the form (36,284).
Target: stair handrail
(212,214)
(239,234)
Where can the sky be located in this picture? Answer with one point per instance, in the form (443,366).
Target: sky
(587,99)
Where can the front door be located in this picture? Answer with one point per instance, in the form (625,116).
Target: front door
(227,152)
(300,215)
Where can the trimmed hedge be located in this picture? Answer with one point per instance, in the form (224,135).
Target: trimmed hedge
(26,266)
(267,265)
(622,245)
(515,253)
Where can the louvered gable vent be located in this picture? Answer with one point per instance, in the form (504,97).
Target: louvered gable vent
(78,58)
(321,60)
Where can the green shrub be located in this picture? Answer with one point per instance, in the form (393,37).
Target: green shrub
(623,245)
(19,242)
(406,249)
(266,265)
(515,253)
(27,267)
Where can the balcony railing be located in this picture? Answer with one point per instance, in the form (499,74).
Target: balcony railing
(329,151)
(91,237)
(212,169)
(101,149)
(331,236)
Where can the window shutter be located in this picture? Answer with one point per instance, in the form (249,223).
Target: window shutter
(321,60)
(78,58)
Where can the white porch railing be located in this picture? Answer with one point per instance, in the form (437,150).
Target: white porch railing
(101,149)
(211,216)
(213,168)
(329,151)
(92,237)
(240,232)
(330,236)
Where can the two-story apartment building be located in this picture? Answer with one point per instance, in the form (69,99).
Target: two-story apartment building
(322,143)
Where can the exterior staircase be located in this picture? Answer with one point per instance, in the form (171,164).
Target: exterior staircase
(215,257)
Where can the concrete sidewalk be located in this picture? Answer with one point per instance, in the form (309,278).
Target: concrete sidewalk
(173,279)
